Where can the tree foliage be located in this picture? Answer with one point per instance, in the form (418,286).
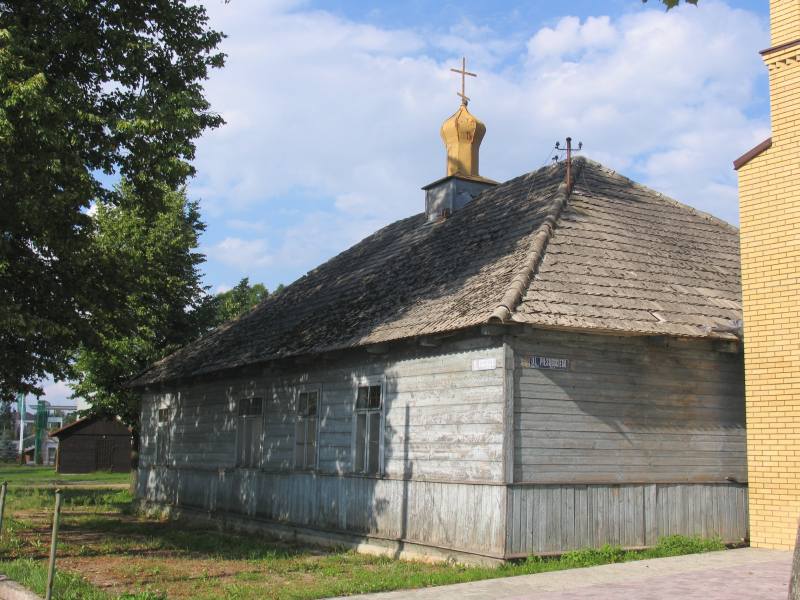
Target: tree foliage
(673,3)
(90,90)
(242,297)
(157,296)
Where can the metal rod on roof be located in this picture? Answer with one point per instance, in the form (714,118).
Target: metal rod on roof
(568,152)
(569,164)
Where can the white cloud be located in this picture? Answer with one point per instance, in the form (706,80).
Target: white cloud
(570,37)
(56,392)
(241,254)
(350,113)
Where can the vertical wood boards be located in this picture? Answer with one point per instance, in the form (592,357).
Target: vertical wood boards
(628,410)
(557,518)
(458,516)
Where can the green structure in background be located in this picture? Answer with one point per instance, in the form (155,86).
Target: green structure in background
(40,430)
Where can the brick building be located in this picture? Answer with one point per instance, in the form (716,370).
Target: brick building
(769,190)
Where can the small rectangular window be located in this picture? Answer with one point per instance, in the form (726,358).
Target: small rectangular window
(369,416)
(305,449)
(163,415)
(369,396)
(249,433)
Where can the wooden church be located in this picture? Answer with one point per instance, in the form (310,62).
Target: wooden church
(534,366)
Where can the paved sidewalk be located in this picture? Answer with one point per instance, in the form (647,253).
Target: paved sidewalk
(744,574)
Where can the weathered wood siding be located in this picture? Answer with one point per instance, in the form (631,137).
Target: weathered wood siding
(443,448)
(628,410)
(463,517)
(443,420)
(633,442)
(555,518)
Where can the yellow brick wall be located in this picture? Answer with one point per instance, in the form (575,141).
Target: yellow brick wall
(769,196)
(784,21)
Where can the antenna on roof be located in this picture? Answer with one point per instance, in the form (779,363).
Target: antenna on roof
(568,150)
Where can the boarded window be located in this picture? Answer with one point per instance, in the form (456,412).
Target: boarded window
(305,445)
(249,434)
(369,416)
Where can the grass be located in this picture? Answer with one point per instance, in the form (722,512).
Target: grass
(17,475)
(107,552)
(269,572)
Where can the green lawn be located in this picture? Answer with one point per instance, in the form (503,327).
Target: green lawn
(106,552)
(47,476)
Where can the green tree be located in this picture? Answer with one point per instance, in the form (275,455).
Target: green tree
(156,296)
(673,3)
(236,301)
(90,90)
(6,421)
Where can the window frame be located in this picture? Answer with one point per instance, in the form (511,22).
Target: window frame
(166,404)
(240,418)
(298,418)
(371,381)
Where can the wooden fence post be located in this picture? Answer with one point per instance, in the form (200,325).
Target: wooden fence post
(51,570)
(3,490)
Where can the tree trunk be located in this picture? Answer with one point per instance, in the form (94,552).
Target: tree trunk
(794,582)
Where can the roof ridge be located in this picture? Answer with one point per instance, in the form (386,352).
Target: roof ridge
(536,251)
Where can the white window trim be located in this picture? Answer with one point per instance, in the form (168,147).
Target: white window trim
(239,418)
(297,418)
(371,380)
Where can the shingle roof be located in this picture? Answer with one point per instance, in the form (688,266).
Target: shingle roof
(613,256)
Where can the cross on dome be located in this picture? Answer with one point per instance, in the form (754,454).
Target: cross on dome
(463,71)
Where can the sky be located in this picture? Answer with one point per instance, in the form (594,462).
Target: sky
(333,111)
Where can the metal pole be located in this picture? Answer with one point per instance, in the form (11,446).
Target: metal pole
(51,571)
(3,489)
(569,164)
(21,410)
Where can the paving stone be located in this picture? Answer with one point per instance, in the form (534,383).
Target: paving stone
(744,574)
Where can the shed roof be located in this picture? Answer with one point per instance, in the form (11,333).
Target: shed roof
(612,256)
(79,424)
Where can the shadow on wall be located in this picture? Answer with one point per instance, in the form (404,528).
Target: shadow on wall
(205,445)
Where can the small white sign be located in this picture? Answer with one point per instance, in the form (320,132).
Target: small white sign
(484,364)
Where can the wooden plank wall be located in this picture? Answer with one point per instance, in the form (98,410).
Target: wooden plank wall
(628,410)
(443,420)
(443,448)
(457,516)
(556,518)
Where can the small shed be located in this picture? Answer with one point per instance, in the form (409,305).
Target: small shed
(93,444)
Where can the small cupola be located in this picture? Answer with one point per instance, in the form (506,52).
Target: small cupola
(462,135)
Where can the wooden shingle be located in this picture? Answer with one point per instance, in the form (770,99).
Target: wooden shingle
(612,256)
